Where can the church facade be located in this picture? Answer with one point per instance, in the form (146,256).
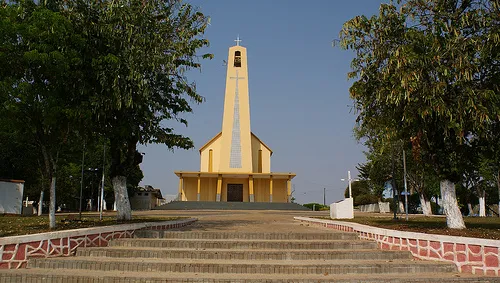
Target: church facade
(235,165)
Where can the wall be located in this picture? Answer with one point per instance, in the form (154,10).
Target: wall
(343,209)
(190,192)
(279,190)
(382,207)
(16,251)
(470,255)
(204,155)
(144,201)
(261,190)
(11,197)
(266,156)
(208,189)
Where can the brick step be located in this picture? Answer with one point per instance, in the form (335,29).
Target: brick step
(244,244)
(360,254)
(83,276)
(238,235)
(248,266)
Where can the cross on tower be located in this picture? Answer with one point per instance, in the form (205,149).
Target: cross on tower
(238,40)
(236,78)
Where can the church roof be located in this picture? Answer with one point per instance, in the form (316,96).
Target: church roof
(220,134)
(265,145)
(210,141)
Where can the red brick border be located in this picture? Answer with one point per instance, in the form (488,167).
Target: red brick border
(15,251)
(470,255)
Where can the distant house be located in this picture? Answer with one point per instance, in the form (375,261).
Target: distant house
(11,196)
(146,198)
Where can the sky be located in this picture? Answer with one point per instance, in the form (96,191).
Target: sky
(299,93)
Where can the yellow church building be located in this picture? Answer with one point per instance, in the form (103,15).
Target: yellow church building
(235,165)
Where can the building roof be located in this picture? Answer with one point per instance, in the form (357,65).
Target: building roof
(148,188)
(210,141)
(220,134)
(11,181)
(275,175)
(265,145)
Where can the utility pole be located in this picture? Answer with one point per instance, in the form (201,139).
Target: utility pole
(81,181)
(102,183)
(324,196)
(394,187)
(406,187)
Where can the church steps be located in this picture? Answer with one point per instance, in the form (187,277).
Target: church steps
(83,276)
(124,252)
(214,205)
(199,258)
(334,235)
(241,266)
(245,244)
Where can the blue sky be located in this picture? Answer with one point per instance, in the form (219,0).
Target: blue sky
(299,98)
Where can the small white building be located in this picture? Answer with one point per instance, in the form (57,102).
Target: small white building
(11,196)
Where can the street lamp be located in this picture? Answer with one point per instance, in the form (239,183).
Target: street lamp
(349,180)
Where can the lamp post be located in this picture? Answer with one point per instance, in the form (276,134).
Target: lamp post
(81,182)
(101,199)
(406,186)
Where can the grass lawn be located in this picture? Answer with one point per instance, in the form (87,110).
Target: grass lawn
(13,225)
(477,227)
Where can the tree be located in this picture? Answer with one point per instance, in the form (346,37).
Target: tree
(38,52)
(137,54)
(490,158)
(361,193)
(378,170)
(420,77)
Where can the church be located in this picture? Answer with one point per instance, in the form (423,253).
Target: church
(235,165)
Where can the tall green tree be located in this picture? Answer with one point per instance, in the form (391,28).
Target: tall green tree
(420,77)
(39,51)
(137,54)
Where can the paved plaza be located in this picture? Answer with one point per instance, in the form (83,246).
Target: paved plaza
(243,220)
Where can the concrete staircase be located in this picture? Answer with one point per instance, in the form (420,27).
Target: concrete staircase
(190,256)
(222,205)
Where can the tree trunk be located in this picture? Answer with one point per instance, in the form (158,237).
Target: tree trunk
(52,206)
(498,186)
(40,204)
(401,207)
(50,169)
(424,204)
(482,204)
(121,198)
(471,210)
(429,206)
(454,218)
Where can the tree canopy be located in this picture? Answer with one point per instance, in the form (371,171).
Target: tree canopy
(423,74)
(82,74)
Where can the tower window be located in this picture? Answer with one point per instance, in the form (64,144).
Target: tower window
(237,59)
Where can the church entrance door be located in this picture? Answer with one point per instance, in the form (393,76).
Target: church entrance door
(235,192)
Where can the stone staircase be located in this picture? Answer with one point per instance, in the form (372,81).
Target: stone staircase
(191,256)
(223,205)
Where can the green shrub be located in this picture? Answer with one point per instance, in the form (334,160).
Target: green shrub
(316,206)
(365,199)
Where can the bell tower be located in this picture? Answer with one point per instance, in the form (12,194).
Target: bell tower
(236,147)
